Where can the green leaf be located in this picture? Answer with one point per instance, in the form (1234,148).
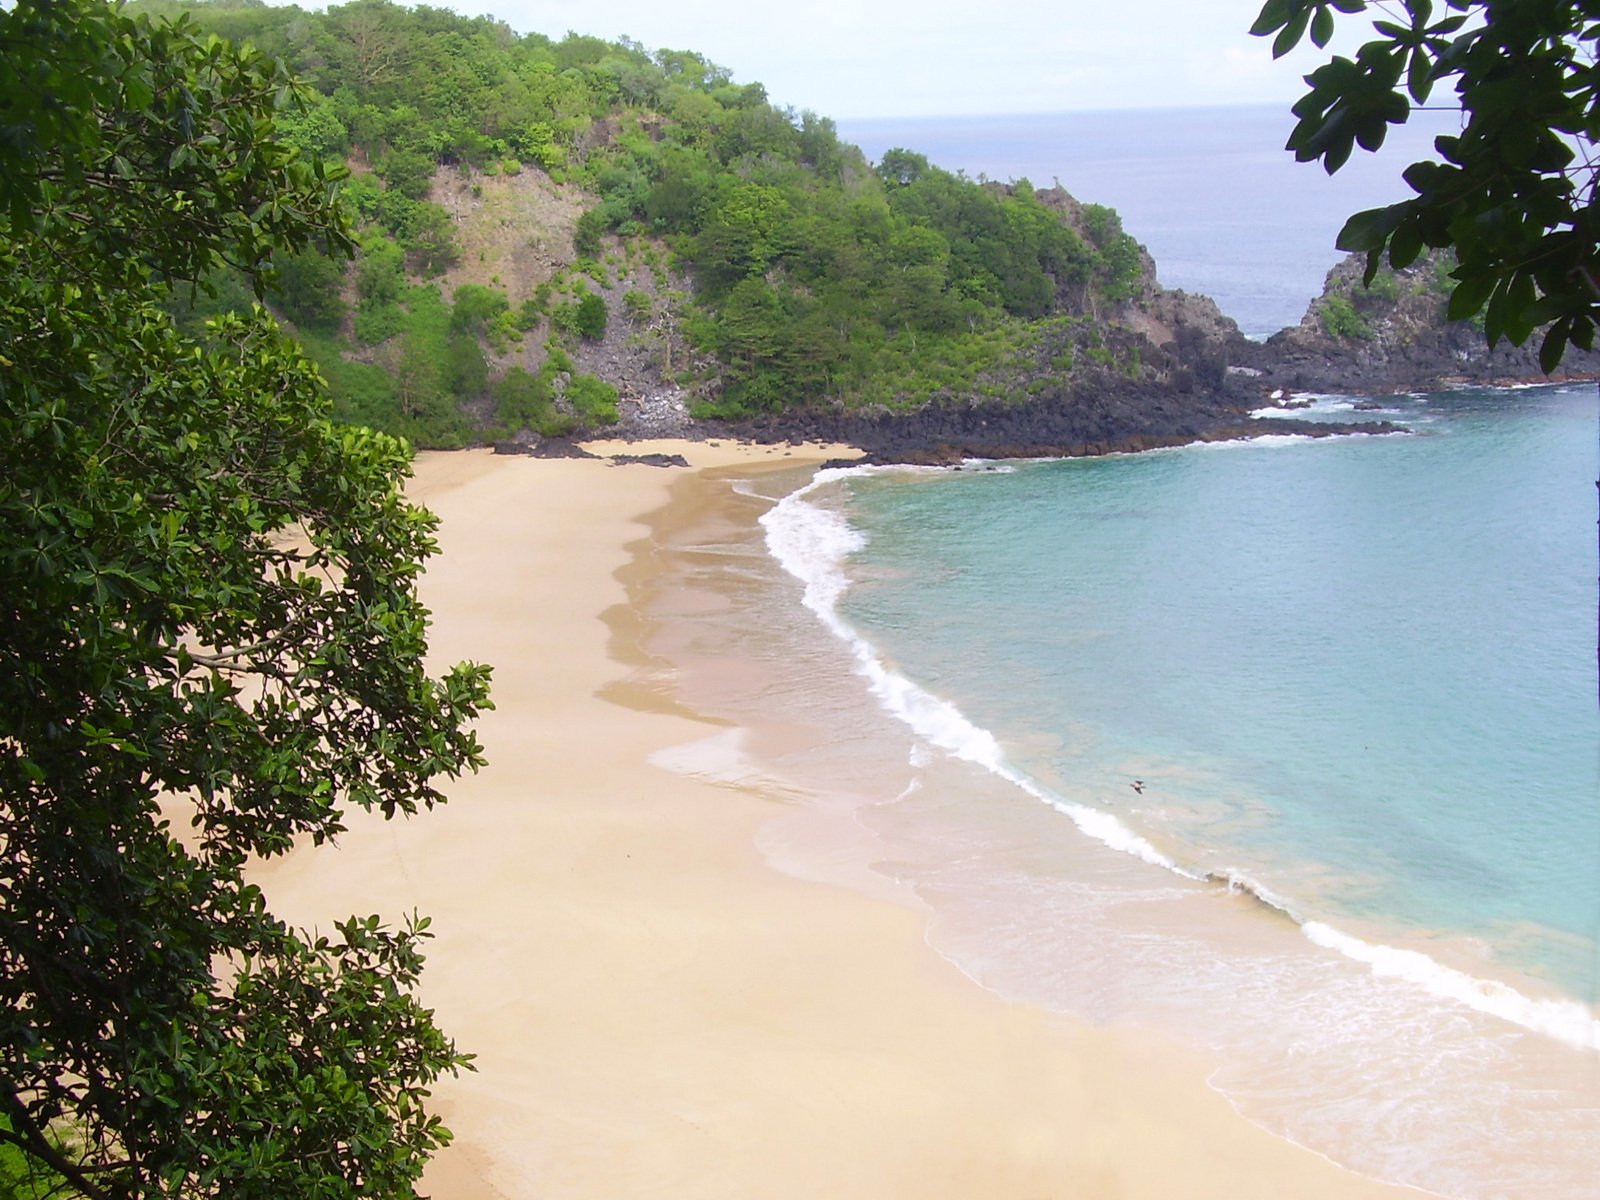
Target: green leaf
(1290,37)
(138,93)
(1369,230)
(1469,297)
(1497,312)
(1405,243)
(1419,76)
(1321,27)
(1273,16)
(1554,345)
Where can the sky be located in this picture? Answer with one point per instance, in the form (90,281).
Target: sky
(894,58)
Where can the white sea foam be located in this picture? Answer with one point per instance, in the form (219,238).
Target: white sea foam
(1567,1021)
(1311,404)
(1243,443)
(1237,881)
(1298,404)
(813,543)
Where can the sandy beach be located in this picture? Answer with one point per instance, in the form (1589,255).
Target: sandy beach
(656,1011)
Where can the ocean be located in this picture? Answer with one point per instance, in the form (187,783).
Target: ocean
(1288,749)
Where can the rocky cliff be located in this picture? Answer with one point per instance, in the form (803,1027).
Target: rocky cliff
(1168,368)
(1393,336)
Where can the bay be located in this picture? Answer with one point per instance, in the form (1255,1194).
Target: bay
(1287,748)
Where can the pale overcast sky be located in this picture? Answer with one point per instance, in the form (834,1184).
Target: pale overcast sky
(883,58)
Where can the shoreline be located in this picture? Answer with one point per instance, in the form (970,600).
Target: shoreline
(654,1008)
(1493,988)
(1011,894)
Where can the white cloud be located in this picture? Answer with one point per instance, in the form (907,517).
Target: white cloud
(860,58)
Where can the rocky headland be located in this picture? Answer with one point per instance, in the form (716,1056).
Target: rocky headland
(1393,337)
(1196,378)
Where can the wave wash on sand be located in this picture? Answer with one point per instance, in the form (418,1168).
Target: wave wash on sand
(1401,1065)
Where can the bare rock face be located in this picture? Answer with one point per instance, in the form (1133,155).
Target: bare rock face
(513,231)
(1204,340)
(1394,336)
(659,413)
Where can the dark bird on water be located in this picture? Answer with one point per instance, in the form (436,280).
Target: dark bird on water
(1138,786)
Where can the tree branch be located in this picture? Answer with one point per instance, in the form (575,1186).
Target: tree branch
(33,1142)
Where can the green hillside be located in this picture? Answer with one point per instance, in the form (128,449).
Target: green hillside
(549,228)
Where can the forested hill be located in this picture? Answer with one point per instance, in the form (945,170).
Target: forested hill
(556,231)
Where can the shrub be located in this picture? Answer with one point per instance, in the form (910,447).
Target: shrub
(1385,286)
(636,304)
(586,237)
(475,307)
(380,273)
(309,286)
(407,172)
(378,322)
(593,399)
(591,318)
(1341,320)
(520,398)
(466,370)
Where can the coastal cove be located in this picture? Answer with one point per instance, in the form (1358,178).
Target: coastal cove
(655,1010)
(748,903)
(576,635)
(1415,1047)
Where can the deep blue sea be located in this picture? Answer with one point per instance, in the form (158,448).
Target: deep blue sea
(1289,748)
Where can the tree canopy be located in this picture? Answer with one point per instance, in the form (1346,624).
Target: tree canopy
(211,647)
(1514,193)
(884,286)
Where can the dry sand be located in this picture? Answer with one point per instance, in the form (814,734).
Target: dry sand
(658,1013)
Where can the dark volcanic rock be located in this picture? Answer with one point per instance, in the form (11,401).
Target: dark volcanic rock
(559,447)
(1393,337)
(650,460)
(1086,421)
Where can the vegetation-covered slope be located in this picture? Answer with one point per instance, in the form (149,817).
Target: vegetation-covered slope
(544,222)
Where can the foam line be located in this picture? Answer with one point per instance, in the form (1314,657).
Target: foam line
(814,543)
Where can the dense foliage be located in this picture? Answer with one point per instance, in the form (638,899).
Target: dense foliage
(1514,193)
(211,645)
(795,272)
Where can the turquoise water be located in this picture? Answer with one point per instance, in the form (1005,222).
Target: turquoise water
(1359,673)
(1354,682)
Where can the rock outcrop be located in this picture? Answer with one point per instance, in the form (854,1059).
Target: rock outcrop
(1392,337)
(1171,368)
